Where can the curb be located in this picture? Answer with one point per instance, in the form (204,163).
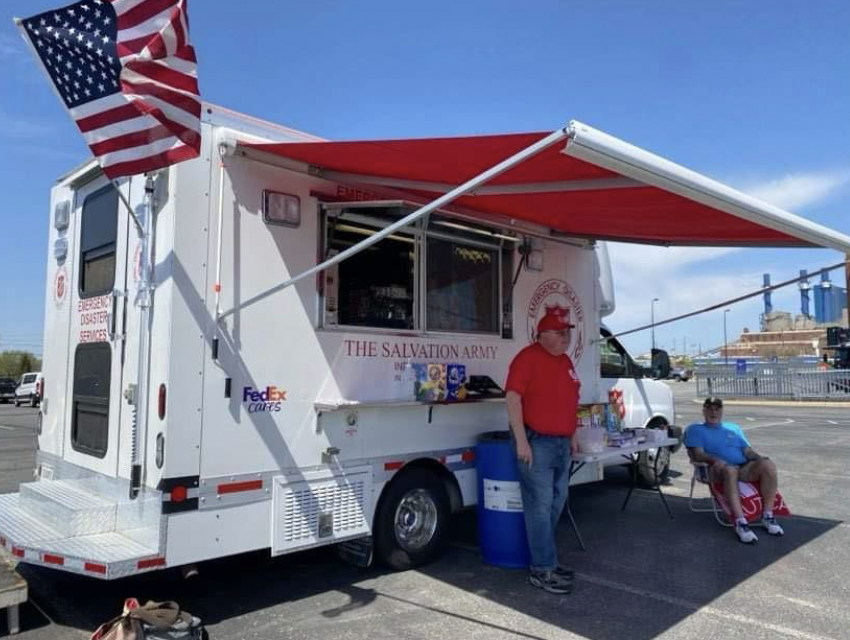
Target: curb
(779,403)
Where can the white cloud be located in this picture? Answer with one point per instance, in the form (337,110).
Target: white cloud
(800,190)
(22,128)
(686,279)
(11,48)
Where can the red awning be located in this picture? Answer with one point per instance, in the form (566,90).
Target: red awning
(552,189)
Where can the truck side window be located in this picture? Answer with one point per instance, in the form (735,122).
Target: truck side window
(612,360)
(434,275)
(90,403)
(374,288)
(98,237)
(462,286)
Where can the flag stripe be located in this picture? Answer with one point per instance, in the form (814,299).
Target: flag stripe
(98,120)
(175,119)
(150,163)
(174,98)
(130,140)
(161,74)
(158,24)
(188,135)
(118,129)
(143,12)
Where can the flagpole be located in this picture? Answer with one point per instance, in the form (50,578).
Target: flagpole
(140,414)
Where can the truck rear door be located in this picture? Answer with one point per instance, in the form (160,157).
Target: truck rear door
(96,352)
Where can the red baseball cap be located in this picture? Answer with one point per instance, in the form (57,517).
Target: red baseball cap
(553,322)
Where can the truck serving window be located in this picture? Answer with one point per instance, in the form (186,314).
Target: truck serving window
(437,275)
(90,413)
(98,241)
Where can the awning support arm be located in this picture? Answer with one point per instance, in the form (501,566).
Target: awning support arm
(442,201)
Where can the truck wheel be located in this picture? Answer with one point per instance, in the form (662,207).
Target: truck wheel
(647,460)
(411,526)
(33,401)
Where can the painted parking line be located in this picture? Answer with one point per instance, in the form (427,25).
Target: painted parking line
(750,419)
(770,424)
(7,428)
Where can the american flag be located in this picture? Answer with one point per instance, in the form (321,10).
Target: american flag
(127,74)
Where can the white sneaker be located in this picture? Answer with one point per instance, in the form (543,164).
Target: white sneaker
(745,534)
(772,526)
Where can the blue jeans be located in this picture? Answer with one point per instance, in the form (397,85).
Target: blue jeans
(544,486)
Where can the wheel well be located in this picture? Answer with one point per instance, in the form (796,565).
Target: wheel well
(656,422)
(439,471)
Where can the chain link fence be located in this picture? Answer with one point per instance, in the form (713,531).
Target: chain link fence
(773,380)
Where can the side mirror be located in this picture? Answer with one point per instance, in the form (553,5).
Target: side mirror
(660,364)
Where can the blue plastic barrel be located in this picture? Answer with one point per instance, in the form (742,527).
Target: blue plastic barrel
(501,523)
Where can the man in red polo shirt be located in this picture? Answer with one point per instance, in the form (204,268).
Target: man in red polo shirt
(542,397)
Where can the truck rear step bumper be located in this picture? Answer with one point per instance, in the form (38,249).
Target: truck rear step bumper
(106,555)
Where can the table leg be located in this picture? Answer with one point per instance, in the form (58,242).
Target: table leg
(575,528)
(634,464)
(574,468)
(657,486)
(13,619)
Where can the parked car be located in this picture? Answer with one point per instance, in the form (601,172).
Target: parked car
(7,389)
(680,374)
(29,391)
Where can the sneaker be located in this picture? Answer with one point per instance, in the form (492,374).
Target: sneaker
(745,534)
(564,572)
(772,526)
(548,581)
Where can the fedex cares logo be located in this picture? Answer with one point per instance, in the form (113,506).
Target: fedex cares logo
(268,399)
(557,297)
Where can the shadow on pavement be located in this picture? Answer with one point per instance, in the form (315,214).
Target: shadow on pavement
(642,574)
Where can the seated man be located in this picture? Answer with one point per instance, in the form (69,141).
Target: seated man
(726,449)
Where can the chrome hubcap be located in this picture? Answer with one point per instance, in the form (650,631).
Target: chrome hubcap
(415,520)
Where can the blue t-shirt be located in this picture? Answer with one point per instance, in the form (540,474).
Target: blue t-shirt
(726,441)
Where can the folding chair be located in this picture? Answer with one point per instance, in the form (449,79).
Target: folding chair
(751,500)
(701,475)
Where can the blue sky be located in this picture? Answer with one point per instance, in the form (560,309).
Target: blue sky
(754,94)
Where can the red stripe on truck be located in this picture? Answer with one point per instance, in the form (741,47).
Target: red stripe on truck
(49,558)
(95,568)
(236,487)
(150,562)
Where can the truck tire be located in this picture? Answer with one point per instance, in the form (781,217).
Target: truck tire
(647,460)
(33,401)
(412,523)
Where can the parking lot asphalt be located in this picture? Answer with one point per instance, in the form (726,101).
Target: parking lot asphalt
(643,575)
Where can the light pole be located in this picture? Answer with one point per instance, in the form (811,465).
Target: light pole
(652,321)
(725,342)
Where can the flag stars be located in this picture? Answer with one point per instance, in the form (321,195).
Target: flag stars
(101,88)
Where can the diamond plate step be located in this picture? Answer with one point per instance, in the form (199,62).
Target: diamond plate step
(68,509)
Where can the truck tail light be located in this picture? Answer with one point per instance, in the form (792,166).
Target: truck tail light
(161,401)
(39,389)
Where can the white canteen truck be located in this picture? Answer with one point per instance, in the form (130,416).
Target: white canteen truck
(345,407)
